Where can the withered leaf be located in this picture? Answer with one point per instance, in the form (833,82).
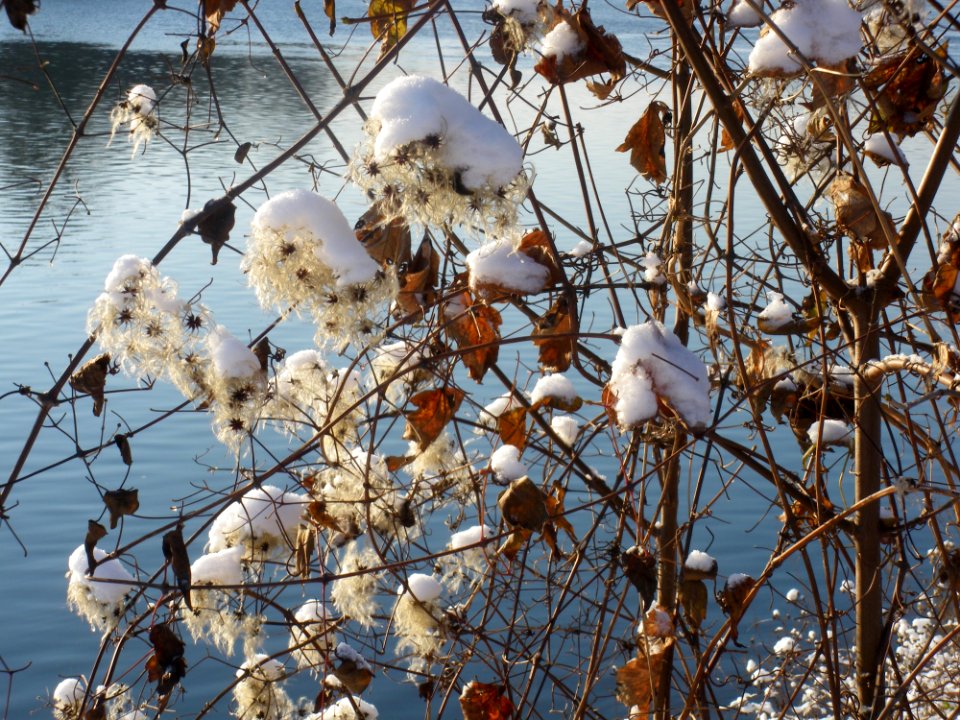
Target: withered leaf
(123,445)
(640,567)
(215,228)
(388,21)
(656,7)
(693,600)
(524,505)
(637,679)
(726,141)
(554,335)
(355,676)
(215,10)
(483,701)
(330,10)
(95,531)
(732,599)
(646,141)
(856,216)
(435,408)
(317,512)
(940,283)
(175,553)
(17,12)
(418,281)
(514,543)
(908,87)
(536,246)
(475,328)
(166,666)
(601,90)
(262,351)
(303,550)
(242,151)
(835,80)
(386,241)
(512,427)
(98,710)
(121,502)
(557,520)
(91,379)
(601,51)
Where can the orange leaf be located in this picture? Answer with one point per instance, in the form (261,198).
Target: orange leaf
(940,284)
(514,543)
(482,701)
(317,511)
(637,680)
(656,7)
(732,599)
(908,89)
(512,427)
(646,141)
(214,10)
(386,241)
(558,521)
(726,142)
(419,281)
(536,246)
(330,10)
(388,21)
(601,52)
(555,336)
(475,329)
(435,408)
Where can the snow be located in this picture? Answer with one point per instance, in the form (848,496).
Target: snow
(223,567)
(261,667)
(716,302)
(348,654)
(581,249)
(885,149)
(424,588)
(742,15)
(563,40)
(652,362)
(793,595)
(505,463)
(343,710)
(493,410)
(499,264)
(231,357)
(264,512)
(651,273)
(142,99)
(700,561)
(566,427)
(106,593)
(777,313)
(335,244)
(658,621)
(124,268)
(784,646)
(413,107)
(312,611)
(525,11)
(835,432)
(68,692)
(470,536)
(553,386)
(737,579)
(827,31)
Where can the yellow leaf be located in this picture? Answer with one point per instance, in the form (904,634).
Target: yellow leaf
(388,21)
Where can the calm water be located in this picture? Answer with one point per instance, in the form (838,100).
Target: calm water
(109,204)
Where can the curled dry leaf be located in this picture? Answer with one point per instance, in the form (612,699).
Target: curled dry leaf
(91,379)
(475,327)
(640,567)
(832,82)
(435,408)
(693,600)
(317,512)
(120,502)
(122,442)
(601,52)
(524,505)
(483,701)
(355,678)
(175,553)
(536,246)
(215,228)
(386,241)
(418,280)
(941,288)
(303,551)
(330,10)
(646,141)
(656,7)
(733,598)
(512,427)
(557,521)
(166,666)
(17,12)
(95,531)
(214,11)
(388,21)
(555,336)
(637,679)
(856,216)
(907,87)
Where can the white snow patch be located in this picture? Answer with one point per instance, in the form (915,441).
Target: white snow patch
(885,149)
(555,386)
(581,249)
(793,595)
(835,432)
(525,11)
(785,645)
(142,99)
(261,667)
(652,274)
(470,536)
(413,107)
(700,561)
(566,427)
(742,15)
(231,357)
(652,362)
(716,302)
(498,263)
(223,567)
(563,40)
(336,245)
(105,593)
(342,709)
(264,513)
(777,313)
(825,31)
(424,588)
(505,462)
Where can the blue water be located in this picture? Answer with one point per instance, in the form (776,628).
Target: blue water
(133,205)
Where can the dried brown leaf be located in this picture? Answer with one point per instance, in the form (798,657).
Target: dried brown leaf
(91,379)
(215,228)
(601,52)
(175,553)
(435,408)
(120,502)
(908,89)
(95,531)
(555,336)
(483,701)
(646,141)
(388,21)
(386,241)
(17,12)
(166,666)
(856,216)
(475,327)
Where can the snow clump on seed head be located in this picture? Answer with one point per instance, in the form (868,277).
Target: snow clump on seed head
(138,110)
(264,521)
(433,158)
(303,253)
(259,693)
(99,602)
